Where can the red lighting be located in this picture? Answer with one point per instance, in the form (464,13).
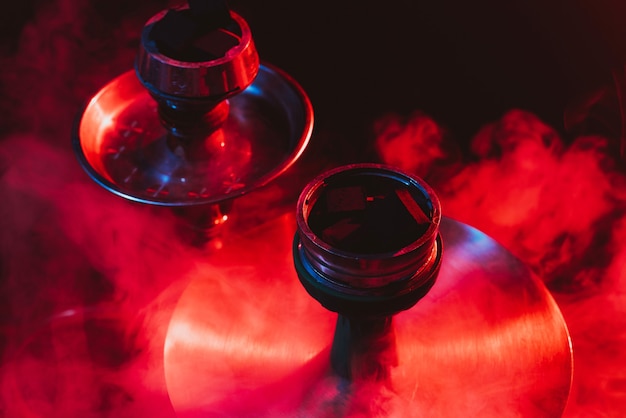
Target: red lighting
(93,287)
(221,220)
(560,208)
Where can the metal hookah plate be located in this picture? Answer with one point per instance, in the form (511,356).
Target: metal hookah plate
(247,340)
(121,143)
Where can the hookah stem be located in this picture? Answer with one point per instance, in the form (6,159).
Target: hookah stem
(364,349)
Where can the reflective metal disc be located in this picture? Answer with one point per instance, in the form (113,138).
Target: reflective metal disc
(246,340)
(121,143)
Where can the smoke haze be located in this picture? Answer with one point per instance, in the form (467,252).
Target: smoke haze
(89,281)
(559,208)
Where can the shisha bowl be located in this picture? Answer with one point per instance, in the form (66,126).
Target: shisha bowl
(198,123)
(341,321)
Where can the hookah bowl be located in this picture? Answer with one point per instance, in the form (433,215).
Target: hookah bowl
(368,246)
(199,122)
(378,306)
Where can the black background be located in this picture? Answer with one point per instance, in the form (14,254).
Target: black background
(463,62)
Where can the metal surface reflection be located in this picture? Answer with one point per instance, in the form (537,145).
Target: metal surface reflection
(246,339)
(198,123)
(122,144)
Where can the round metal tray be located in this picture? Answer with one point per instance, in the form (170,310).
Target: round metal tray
(488,340)
(121,143)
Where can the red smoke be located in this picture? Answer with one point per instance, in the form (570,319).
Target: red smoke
(88,280)
(561,209)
